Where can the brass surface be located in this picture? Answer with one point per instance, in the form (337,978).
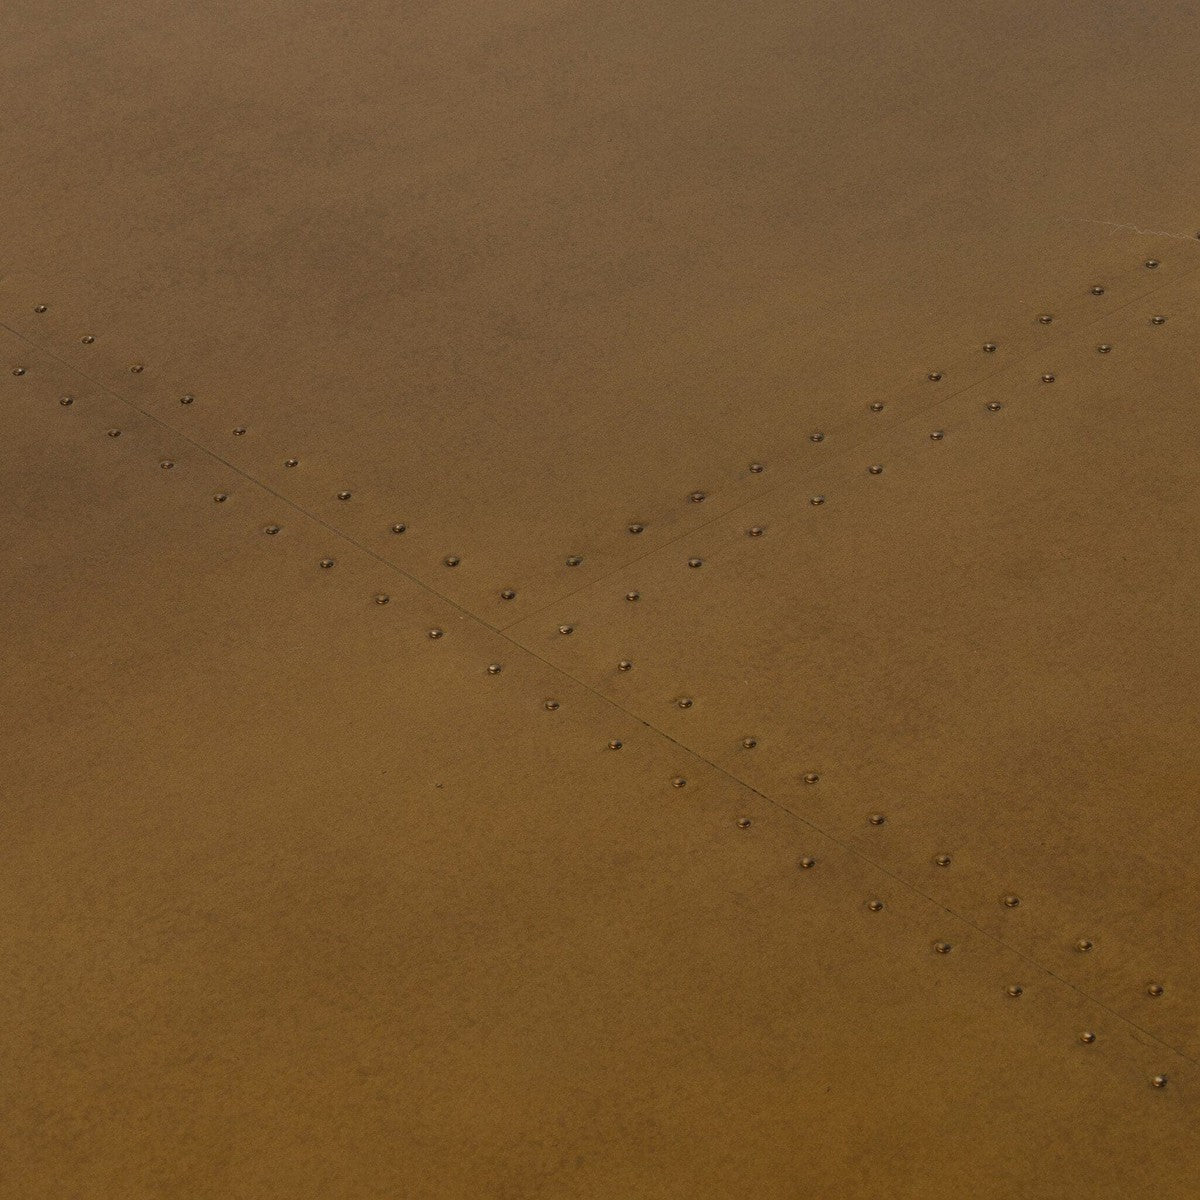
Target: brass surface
(600,601)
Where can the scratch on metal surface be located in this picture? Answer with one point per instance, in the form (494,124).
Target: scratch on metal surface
(1116,225)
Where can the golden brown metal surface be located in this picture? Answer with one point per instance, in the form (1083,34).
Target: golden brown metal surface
(600,601)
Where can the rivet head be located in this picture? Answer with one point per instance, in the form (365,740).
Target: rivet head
(18,370)
(816,499)
(326,563)
(451,560)
(632,596)
(684,702)
(1045,319)
(271,530)
(1104,348)
(615,744)
(550,705)
(749,743)
(1154,989)
(343,495)
(994,406)
(678,782)
(936,435)
(434,634)
(935,376)
(67,401)
(624,665)
(744,822)
(816,437)
(220,498)
(875,905)
(697,497)
(508,594)
(695,562)
(636,528)
(574,560)
(1012,901)
(1158,320)
(381,597)
(399,527)
(942,860)
(189,399)
(566,630)
(1087,1037)
(291,462)
(1047,378)
(807,864)
(1083,945)
(942,947)
(39,308)
(240,431)
(875,469)
(757,468)
(114,433)
(495,668)
(877,406)
(812,777)
(136,368)
(1152,263)
(1097,290)
(754,531)
(166,464)
(877,819)
(1159,1081)
(1015,990)
(87,339)
(989,347)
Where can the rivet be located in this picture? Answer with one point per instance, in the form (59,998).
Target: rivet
(877,818)
(942,947)
(87,339)
(754,531)
(220,497)
(1011,901)
(811,777)
(399,527)
(1045,319)
(936,435)
(1158,320)
(1087,1037)
(1159,1081)
(816,499)
(67,401)
(695,562)
(934,376)
(875,905)
(136,368)
(636,528)
(291,462)
(744,822)
(343,495)
(807,864)
(18,370)
(615,744)
(994,406)
(187,399)
(631,596)
(326,563)
(239,431)
(684,702)
(574,560)
(942,860)
(989,347)
(508,594)
(816,437)
(271,529)
(381,598)
(114,433)
(1154,989)
(495,668)
(1014,990)
(697,497)
(875,469)
(39,308)
(1097,290)
(1104,348)
(749,743)
(451,560)
(678,782)
(1152,263)
(566,630)
(166,464)
(436,633)
(551,705)
(1047,378)
(624,665)
(877,406)
(1083,945)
